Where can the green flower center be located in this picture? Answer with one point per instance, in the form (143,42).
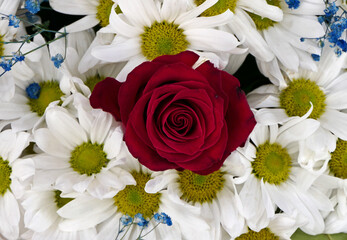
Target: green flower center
(296,98)
(264,23)
(92,81)
(59,200)
(104,10)
(338,161)
(200,188)
(5,176)
(220,7)
(49,92)
(264,234)
(88,158)
(1,46)
(163,39)
(272,163)
(134,199)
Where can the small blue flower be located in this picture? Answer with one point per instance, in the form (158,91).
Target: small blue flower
(57,60)
(331,10)
(315,57)
(293,4)
(18,57)
(126,220)
(13,21)
(166,219)
(33,6)
(33,91)
(6,64)
(140,220)
(163,218)
(342,44)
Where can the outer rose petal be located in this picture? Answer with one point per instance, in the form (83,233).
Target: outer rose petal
(238,115)
(105,96)
(187,57)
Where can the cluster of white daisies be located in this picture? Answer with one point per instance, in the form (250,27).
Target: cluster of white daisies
(65,172)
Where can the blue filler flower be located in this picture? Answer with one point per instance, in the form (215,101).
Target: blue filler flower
(57,60)
(33,91)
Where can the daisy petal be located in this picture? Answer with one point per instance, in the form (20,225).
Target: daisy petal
(336,122)
(65,128)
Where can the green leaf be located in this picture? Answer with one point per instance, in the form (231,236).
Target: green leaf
(300,235)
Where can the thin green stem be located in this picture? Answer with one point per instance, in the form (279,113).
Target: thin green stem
(151,229)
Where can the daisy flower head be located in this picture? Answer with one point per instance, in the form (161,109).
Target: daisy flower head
(8,31)
(42,220)
(125,207)
(151,28)
(77,46)
(241,25)
(38,84)
(335,179)
(94,11)
(81,154)
(272,179)
(325,90)
(214,195)
(280,227)
(14,172)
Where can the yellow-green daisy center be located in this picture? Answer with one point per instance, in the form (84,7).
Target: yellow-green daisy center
(338,161)
(134,199)
(104,10)
(262,23)
(296,98)
(264,234)
(1,46)
(92,81)
(59,201)
(220,7)
(200,188)
(88,158)
(49,92)
(162,39)
(272,163)
(5,176)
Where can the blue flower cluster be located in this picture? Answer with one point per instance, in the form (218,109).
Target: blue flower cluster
(13,21)
(336,23)
(140,221)
(57,60)
(7,64)
(293,4)
(33,91)
(163,218)
(33,6)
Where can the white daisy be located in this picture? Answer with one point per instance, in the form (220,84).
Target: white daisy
(284,38)
(281,226)
(325,89)
(214,195)
(42,220)
(38,84)
(8,34)
(96,11)
(81,155)
(77,46)
(147,29)
(335,178)
(242,26)
(85,211)
(272,178)
(13,174)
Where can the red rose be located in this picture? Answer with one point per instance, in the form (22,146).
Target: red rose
(176,116)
